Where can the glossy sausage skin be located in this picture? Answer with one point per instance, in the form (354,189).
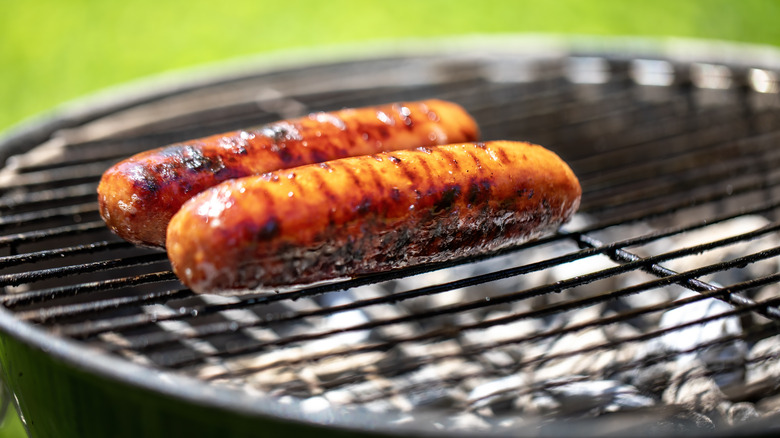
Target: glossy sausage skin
(372,213)
(139,196)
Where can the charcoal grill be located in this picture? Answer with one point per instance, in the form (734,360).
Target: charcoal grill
(666,279)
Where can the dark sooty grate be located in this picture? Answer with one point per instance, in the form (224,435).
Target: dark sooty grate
(661,295)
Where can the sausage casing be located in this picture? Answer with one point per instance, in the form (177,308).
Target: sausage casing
(372,213)
(138,196)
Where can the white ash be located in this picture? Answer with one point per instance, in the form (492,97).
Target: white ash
(765,293)
(682,423)
(651,380)
(597,396)
(764,361)
(769,405)
(696,392)
(465,421)
(340,321)
(576,364)
(426,384)
(502,335)
(497,391)
(315,405)
(497,359)
(742,412)
(728,356)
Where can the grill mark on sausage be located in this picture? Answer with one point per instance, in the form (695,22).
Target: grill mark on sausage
(376,181)
(324,188)
(352,175)
(412,176)
(318,155)
(502,156)
(267,198)
(425,167)
(450,158)
(477,164)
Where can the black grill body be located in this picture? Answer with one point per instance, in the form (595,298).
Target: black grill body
(676,150)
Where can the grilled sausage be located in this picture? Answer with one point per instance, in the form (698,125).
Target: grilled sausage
(138,196)
(371,213)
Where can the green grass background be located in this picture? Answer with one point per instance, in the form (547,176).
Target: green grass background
(52,51)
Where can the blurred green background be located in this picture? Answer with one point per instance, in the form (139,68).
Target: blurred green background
(52,51)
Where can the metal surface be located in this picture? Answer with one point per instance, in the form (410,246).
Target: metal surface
(677,157)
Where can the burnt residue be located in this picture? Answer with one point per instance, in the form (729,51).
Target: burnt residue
(372,132)
(382,132)
(143,179)
(240,149)
(479,190)
(319,156)
(364,206)
(525,192)
(192,158)
(448,196)
(286,156)
(269,230)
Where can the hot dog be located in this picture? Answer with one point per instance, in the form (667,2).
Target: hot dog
(365,214)
(138,196)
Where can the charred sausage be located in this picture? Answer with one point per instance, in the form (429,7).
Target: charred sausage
(138,196)
(370,213)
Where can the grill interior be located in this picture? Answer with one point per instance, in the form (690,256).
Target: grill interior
(660,297)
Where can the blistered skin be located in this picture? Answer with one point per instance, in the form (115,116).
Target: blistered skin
(139,196)
(372,213)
